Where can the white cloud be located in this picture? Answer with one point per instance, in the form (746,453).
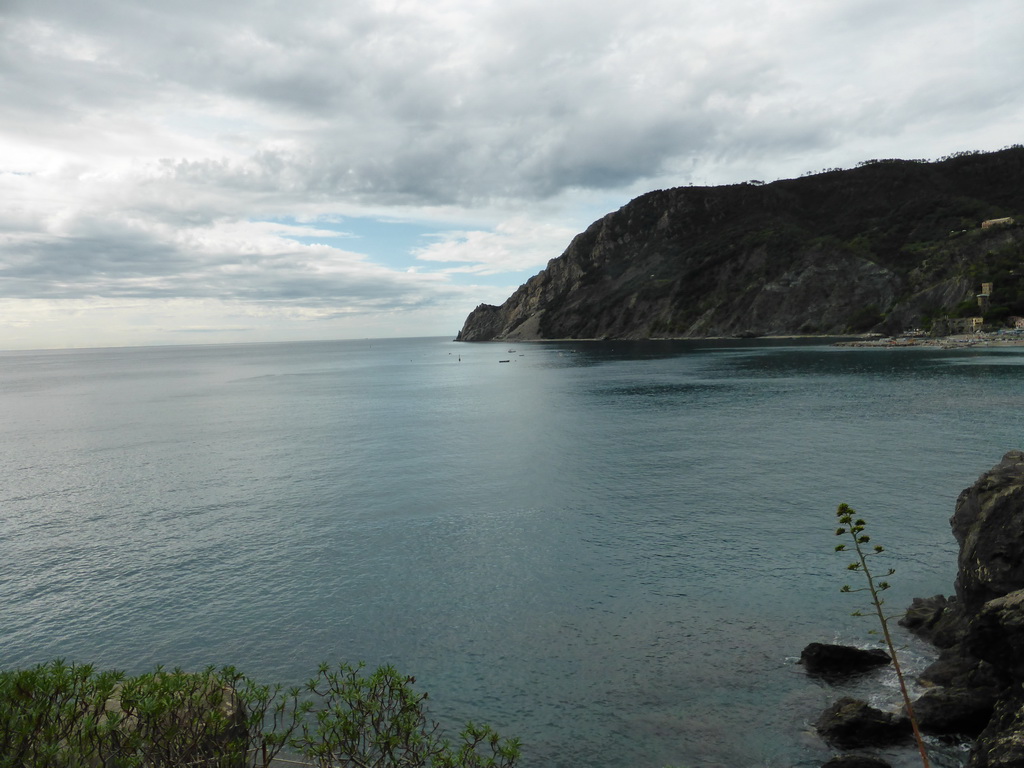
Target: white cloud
(513,245)
(147,149)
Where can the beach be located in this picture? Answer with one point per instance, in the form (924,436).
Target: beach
(960,341)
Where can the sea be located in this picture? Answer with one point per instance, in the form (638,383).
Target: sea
(613,551)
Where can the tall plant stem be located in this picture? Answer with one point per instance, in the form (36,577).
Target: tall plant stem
(877,601)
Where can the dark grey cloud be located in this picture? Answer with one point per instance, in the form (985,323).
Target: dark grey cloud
(465,103)
(393,108)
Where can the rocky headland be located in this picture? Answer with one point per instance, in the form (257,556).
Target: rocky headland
(884,247)
(975,689)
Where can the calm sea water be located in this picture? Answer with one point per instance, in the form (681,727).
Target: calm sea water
(614,551)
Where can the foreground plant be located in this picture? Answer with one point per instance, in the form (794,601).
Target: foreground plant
(59,715)
(853,527)
(51,710)
(378,720)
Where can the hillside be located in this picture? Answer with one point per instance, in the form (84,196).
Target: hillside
(886,246)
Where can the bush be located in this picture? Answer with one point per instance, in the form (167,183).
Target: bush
(378,721)
(59,715)
(52,711)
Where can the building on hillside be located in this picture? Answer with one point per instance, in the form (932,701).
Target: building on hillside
(1005,221)
(984,297)
(966,324)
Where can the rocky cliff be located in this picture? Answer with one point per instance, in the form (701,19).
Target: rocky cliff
(982,628)
(976,687)
(885,246)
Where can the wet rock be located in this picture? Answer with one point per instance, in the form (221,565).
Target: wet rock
(955,668)
(940,620)
(1001,744)
(852,723)
(955,711)
(856,761)
(828,660)
(923,613)
(997,634)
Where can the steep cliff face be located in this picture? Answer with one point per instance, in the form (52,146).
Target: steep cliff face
(989,527)
(885,246)
(976,687)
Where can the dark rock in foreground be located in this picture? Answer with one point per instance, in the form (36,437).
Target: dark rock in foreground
(955,668)
(838,661)
(988,661)
(1001,744)
(852,723)
(955,711)
(939,620)
(996,634)
(979,675)
(989,526)
(856,761)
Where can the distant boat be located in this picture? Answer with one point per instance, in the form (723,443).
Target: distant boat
(504,361)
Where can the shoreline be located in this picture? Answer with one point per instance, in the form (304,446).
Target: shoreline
(964,341)
(845,340)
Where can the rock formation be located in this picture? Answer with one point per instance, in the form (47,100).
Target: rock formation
(839,661)
(855,761)
(885,246)
(977,684)
(989,526)
(851,723)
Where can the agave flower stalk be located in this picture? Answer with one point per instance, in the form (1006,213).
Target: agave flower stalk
(852,526)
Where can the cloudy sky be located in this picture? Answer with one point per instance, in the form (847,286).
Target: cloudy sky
(248,170)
